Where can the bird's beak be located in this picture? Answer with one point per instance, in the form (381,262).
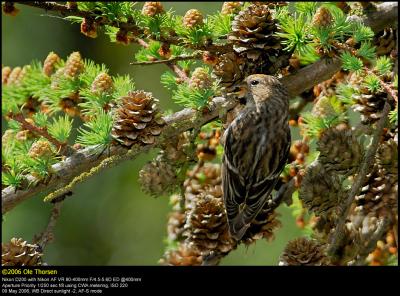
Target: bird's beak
(240,89)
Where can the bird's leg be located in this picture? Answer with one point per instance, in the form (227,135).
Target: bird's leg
(284,194)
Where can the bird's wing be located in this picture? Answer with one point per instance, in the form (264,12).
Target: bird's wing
(234,185)
(251,190)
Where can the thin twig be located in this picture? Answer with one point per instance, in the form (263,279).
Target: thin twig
(171,60)
(48,235)
(142,43)
(339,234)
(175,68)
(178,71)
(63,148)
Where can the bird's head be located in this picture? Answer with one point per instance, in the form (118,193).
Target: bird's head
(258,88)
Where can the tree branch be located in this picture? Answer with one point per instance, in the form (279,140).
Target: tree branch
(186,119)
(127,26)
(65,11)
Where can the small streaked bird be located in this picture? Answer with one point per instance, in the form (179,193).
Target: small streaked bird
(256,148)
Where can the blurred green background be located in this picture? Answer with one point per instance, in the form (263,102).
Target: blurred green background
(108,220)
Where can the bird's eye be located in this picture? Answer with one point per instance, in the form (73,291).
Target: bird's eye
(254,82)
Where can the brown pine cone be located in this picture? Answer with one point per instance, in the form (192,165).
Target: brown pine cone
(40,148)
(176,220)
(152,8)
(370,105)
(137,119)
(230,7)
(5,74)
(49,63)
(122,37)
(74,65)
(378,194)
(175,225)
(200,79)
(206,226)
(322,18)
(158,177)
(229,69)
(184,255)
(205,180)
(102,84)
(253,36)
(304,251)
(339,150)
(19,253)
(178,150)
(89,27)
(192,19)
(10,9)
(320,190)
(14,76)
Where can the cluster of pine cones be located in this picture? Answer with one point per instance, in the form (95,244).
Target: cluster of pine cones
(198,226)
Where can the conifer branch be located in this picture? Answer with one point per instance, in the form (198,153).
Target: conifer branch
(339,233)
(186,119)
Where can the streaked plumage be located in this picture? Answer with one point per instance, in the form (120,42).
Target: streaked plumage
(256,146)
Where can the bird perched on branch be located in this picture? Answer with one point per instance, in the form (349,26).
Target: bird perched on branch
(256,148)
